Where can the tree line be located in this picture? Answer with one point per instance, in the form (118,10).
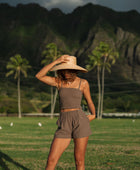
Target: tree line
(101,58)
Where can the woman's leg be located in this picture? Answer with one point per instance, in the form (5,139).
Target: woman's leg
(80,145)
(57,148)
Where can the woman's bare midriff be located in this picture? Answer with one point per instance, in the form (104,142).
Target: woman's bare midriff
(67,110)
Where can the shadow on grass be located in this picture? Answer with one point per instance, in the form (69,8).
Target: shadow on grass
(5,158)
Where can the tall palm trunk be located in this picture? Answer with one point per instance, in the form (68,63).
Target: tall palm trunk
(55,96)
(54,102)
(51,102)
(19,102)
(99,91)
(102,96)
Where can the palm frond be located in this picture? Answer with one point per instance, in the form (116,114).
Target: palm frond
(24,72)
(11,66)
(9,73)
(13,61)
(45,61)
(50,53)
(108,65)
(18,58)
(16,74)
(108,69)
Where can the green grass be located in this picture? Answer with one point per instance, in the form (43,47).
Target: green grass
(114,144)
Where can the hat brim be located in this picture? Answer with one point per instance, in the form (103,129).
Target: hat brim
(68,66)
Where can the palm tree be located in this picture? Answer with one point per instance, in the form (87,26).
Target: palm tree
(102,57)
(95,61)
(18,65)
(109,57)
(50,54)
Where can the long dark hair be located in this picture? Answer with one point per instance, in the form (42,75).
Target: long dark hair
(73,73)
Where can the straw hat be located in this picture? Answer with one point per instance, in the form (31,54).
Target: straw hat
(71,64)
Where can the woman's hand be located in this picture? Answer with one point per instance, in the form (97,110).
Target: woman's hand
(91,117)
(62,59)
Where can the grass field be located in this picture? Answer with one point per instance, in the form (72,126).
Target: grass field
(114,144)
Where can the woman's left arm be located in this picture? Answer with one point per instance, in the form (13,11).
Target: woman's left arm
(87,96)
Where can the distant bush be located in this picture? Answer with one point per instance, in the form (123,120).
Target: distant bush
(8,105)
(29,95)
(3,109)
(26,106)
(44,96)
(48,108)
(125,103)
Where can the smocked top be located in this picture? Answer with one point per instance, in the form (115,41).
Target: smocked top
(70,97)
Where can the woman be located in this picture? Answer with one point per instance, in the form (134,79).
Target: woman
(72,123)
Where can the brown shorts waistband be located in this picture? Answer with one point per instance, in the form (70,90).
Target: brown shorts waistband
(67,110)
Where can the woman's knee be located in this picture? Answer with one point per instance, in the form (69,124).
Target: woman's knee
(79,162)
(51,161)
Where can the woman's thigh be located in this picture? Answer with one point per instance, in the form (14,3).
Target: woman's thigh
(58,147)
(80,145)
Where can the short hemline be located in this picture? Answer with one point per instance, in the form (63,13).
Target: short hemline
(64,137)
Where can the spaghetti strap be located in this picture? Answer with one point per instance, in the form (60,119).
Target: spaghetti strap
(61,83)
(79,84)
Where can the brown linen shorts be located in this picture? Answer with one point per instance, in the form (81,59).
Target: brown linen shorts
(73,124)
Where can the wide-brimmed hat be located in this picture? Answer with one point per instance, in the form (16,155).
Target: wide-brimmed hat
(71,64)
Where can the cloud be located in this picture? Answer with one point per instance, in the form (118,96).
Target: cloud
(64,5)
(121,5)
(68,5)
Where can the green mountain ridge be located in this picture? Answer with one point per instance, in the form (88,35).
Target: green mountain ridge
(26,29)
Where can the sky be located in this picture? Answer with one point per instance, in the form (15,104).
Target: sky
(67,6)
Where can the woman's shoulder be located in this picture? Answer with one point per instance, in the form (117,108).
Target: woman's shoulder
(84,81)
(84,84)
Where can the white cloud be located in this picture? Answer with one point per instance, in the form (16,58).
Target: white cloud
(68,5)
(64,5)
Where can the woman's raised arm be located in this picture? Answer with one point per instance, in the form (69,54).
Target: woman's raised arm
(41,75)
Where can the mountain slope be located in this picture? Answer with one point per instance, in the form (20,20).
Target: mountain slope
(26,29)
